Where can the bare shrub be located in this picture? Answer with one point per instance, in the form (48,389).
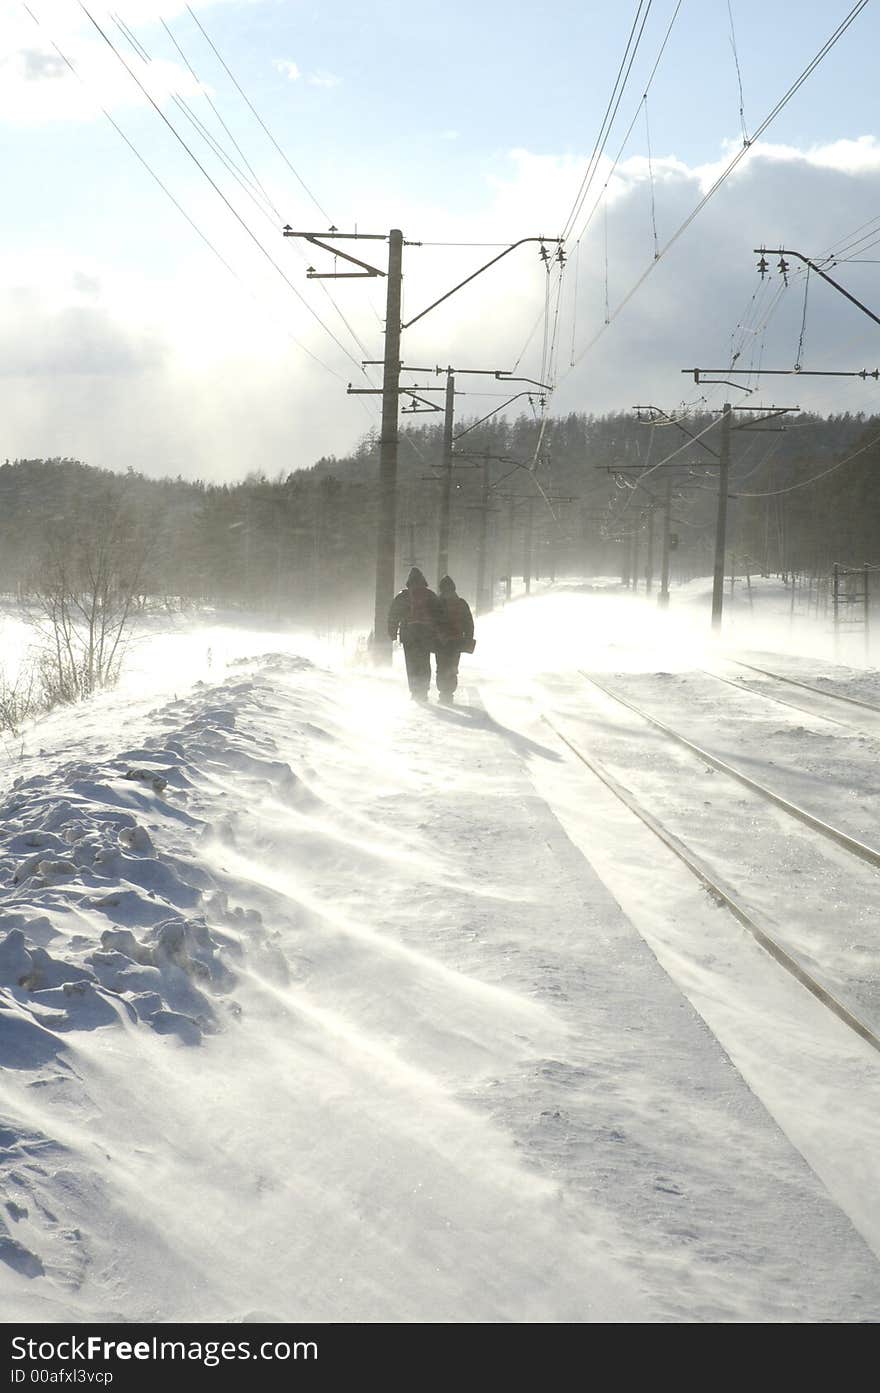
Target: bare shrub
(20,699)
(85,594)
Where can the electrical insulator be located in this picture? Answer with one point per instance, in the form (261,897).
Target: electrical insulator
(783,267)
(762,267)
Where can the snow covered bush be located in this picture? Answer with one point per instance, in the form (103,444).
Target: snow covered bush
(20,698)
(85,595)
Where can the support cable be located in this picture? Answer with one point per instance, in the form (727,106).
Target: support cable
(651,179)
(184,214)
(805,483)
(732,165)
(629,131)
(574,303)
(800,347)
(248,230)
(206,94)
(257,115)
(742,119)
(359,344)
(609,117)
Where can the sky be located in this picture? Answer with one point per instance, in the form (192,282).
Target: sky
(154,317)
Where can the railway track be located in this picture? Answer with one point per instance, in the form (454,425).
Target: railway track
(740,685)
(825,829)
(804,686)
(703,872)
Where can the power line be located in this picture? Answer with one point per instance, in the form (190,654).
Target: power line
(632,123)
(805,483)
(608,118)
(200,128)
(361,346)
(257,115)
(742,118)
(216,187)
(213,107)
(153,175)
(730,167)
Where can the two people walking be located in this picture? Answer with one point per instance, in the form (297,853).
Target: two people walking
(428,623)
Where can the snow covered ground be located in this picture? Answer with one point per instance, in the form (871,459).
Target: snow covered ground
(316,1004)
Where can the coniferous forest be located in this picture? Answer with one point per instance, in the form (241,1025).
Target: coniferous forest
(299,542)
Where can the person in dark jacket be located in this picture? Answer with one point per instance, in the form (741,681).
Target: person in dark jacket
(413,618)
(455,634)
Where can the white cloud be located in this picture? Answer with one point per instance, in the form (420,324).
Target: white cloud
(293,73)
(290,70)
(37,86)
(321,78)
(189,375)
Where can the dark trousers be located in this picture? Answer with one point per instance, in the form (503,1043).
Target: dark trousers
(417,653)
(448,655)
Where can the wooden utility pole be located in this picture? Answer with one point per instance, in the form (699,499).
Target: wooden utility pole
(386,535)
(446,481)
(663,597)
(483,533)
(388,443)
(386,539)
(527,547)
(721,519)
(649,564)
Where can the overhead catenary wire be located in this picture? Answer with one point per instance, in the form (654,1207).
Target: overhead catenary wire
(651,179)
(295,172)
(630,127)
(245,98)
(574,299)
(215,186)
(164,187)
(614,101)
(325,290)
(814,478)
(251,189)
(206,94)
(729,168)
(800,347)
(742,117)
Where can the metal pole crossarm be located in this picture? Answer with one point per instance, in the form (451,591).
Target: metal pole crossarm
(312,274)
(771,412)
(789,372)
(482,419)
(716,381)
(507,377)
(783,251)
(482,454)
(674,421)
(378,391)
(404,367)
(495,259)
(472,372)
(332,232)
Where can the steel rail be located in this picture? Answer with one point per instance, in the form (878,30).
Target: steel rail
(722,896)
(851,844)
(808,686)
(739,684)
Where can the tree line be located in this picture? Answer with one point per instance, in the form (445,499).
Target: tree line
(300,543)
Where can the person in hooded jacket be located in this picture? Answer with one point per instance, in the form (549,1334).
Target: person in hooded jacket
(413,617)
(455,634)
